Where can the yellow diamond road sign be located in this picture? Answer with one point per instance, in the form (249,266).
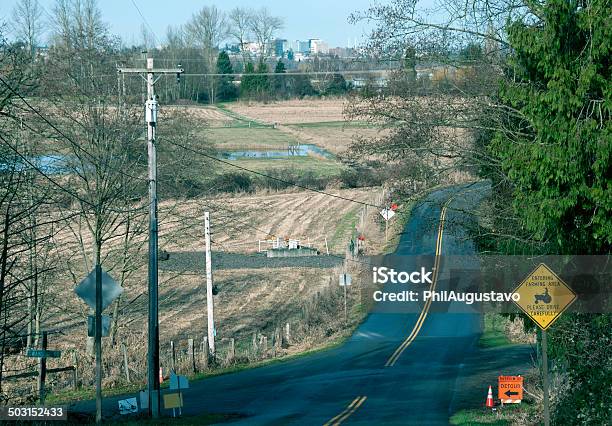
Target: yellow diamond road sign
(544,296)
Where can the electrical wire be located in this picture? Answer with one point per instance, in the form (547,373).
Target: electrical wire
(146,22)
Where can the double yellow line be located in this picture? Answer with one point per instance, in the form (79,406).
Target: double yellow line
(417,327)
(348,411)
(357,402)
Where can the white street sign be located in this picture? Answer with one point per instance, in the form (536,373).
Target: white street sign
(144,399)
(178,382)
(387,213)
(86,290)
(127,406)
(345,279)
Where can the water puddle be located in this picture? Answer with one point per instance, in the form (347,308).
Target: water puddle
(295,151)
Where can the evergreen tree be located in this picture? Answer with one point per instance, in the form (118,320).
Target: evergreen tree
(280,83)
(558,155)
(226,90)
(337,86)
(263,81)
(248,85)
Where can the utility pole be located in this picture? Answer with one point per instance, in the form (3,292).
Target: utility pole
(545,378)
(209,287)
(151,121)
(42,371)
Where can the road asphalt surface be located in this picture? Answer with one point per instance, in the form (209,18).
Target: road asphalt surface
(402,366)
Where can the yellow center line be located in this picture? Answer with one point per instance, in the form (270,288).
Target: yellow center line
(347,412)
(417,327)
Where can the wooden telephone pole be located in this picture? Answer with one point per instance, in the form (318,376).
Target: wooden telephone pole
(151,121)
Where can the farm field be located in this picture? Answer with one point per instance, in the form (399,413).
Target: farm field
(242,221)
(292,111)
(319,122)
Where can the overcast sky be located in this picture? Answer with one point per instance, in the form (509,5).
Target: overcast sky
(304,19)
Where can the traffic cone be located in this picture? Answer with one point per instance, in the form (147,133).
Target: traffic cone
(161,376)
(490,398)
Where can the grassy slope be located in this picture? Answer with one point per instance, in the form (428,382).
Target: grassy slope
(493,334)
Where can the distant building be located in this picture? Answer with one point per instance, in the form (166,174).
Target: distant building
(318,47)
(281,47)
(303,46)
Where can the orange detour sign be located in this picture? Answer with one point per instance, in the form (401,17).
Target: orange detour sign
(544,296)
(510,389)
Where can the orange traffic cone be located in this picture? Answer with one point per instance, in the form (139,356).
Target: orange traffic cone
(161,377)
(490,398)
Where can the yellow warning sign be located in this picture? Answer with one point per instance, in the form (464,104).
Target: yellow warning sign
(544,296)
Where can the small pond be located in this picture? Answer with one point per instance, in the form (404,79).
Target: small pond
(297,151)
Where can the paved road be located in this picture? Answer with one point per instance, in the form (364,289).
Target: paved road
(400,367)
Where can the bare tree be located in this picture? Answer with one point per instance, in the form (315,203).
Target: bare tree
(27,216)
(264,26)
(28,23)
(78,24)
(175,38)
(206,30)
(148,38)
(241,22)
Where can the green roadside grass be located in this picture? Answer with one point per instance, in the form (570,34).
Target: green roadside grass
(343,227)
(493,334)
(509,414)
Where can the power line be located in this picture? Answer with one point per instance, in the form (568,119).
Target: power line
(146,23)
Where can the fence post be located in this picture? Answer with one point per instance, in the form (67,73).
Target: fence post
(231,354)
(125,363)
(173,356)
(191,351)
(287,333)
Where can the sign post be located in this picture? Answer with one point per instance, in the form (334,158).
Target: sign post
(98,290)
(387,213)
(345,281)
(544,297)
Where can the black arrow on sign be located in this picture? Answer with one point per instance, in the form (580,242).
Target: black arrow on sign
(510,393)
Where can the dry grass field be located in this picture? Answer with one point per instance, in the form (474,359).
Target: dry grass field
(240,222)
(292,111)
